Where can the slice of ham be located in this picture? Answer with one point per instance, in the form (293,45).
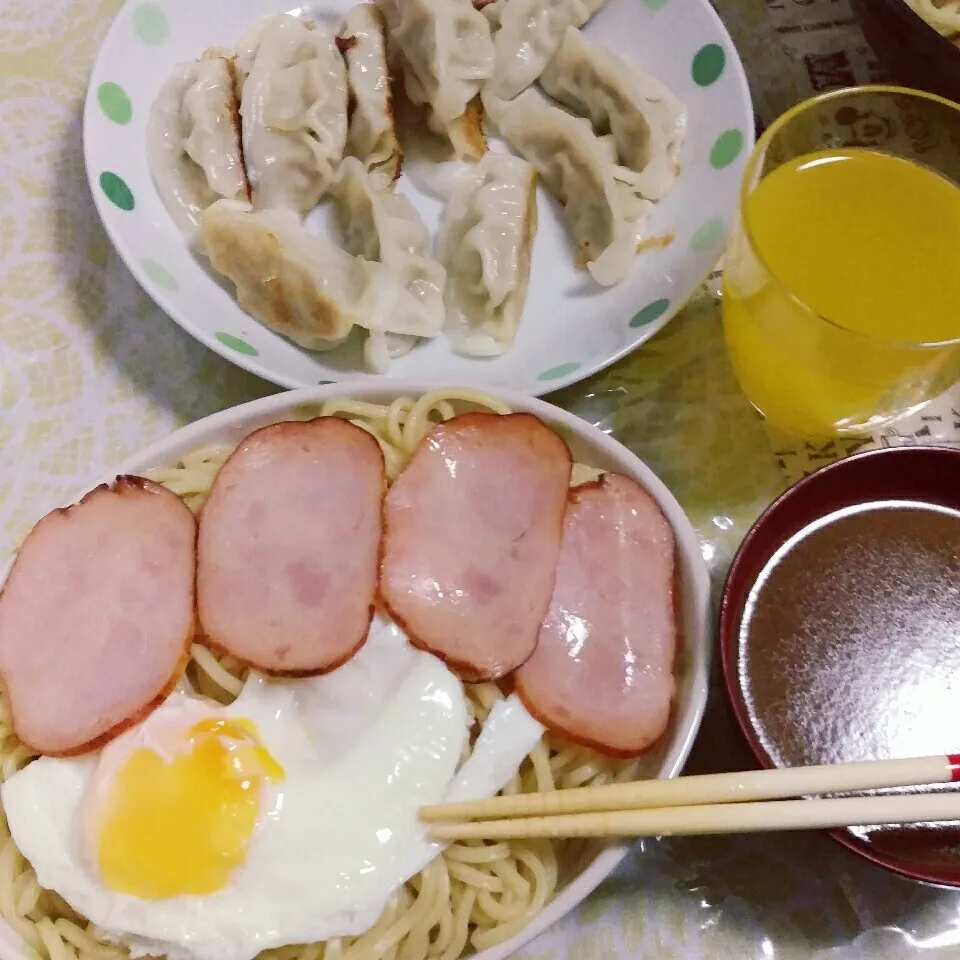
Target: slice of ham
(472,536)
(602,673)
(289,545)
(97,615)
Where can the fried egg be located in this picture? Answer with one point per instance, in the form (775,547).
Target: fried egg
(289,816)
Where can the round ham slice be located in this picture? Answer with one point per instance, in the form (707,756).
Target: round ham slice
(602,673)
(97,615)
(289,544)
(471,540)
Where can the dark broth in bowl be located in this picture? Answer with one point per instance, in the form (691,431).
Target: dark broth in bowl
(849,649)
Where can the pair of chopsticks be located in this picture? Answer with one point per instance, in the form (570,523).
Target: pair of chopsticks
(749,802)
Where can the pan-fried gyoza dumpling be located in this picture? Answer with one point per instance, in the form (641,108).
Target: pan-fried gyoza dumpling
(576,168)
(371,134)
(446,53)
(295,283)
(530,33)
(294,111)
(644,118)
(193,139)
(485,242)
(382,227)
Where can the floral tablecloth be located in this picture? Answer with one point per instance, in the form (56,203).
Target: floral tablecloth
(90,371)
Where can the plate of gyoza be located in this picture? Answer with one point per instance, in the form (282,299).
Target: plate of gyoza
(509,193)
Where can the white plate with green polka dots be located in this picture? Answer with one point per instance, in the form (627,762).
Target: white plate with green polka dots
(571,327)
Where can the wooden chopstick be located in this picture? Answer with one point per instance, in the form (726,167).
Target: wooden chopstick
(710,789)
(715,818)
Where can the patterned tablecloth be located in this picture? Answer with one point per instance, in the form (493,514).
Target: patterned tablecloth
(90,371)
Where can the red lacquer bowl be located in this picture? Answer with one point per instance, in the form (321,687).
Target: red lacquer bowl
(840,632)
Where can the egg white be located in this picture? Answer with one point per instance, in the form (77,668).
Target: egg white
(362,749)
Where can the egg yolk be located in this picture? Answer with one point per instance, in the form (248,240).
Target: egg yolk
(181,825)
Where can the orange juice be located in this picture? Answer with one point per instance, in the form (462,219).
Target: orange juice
(843,276)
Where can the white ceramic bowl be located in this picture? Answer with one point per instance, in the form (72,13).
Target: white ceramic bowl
(571,327)
(589,445)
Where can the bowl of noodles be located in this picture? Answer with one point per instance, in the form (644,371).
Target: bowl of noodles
(471,898)
(918,41)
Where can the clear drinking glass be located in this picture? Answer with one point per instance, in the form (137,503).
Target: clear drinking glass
(808,373)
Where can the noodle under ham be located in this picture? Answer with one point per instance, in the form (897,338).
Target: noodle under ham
(475,895)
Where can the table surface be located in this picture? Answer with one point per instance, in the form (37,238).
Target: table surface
(91,371)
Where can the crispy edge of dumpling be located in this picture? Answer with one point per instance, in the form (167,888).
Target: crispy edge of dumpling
(268,282)
(389,167)
(466,133)
(235,122)
(181,182)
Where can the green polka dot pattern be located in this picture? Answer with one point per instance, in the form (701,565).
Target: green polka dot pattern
(709,235)
(150,24)
(114,102)
(651,312)
(708,65)
(160,275)
(235,343)
(116,191)
(726,149)
(555,373)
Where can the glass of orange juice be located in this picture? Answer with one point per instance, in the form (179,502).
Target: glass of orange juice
(841,293)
